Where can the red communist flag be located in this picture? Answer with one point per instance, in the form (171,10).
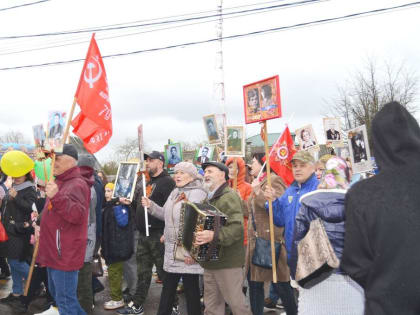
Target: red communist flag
(280,156)
(94,122)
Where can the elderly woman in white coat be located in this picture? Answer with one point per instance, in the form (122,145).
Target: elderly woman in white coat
(187,182)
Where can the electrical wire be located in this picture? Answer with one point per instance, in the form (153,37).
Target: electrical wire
(154,23)
(23,5)
(7,51)
(259,32)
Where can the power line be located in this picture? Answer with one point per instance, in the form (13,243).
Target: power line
(154,23)
(137,33)
(23,5)
(259,32)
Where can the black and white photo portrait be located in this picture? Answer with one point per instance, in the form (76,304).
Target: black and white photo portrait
(204,154)
(234,141)
(359,149)
(210,125)
(173,154)
(126,179)
(332,129)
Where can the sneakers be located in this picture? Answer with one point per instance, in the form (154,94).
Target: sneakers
(51,311)
(112,305)
(131,308)
(270,304)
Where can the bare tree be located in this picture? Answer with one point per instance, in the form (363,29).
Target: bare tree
(13,136)
(128,150)
(369,89)
(110,168)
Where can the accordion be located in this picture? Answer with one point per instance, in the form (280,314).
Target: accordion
(196,217)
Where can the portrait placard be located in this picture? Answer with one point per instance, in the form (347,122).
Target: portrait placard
(210,124)
(262,100)
(332,130)
(307,139)
(55,130)
(173,154)
(203,154)
(235,141)
(126,180)
(359,150)
(39,135)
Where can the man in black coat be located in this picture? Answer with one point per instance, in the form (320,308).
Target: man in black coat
(381,249)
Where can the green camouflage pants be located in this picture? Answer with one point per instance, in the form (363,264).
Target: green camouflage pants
(84,288)
(150,251)
(115,273)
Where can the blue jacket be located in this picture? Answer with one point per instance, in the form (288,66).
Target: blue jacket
(286,207)
(328,205)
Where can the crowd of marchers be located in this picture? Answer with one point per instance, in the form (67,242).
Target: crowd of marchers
(372,226)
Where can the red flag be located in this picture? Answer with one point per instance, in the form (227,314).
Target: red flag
(280,156)
(94,122)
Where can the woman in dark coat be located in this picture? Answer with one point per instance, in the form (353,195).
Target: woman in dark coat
(16,219)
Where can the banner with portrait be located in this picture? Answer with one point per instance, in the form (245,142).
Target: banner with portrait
(55,131)
(125,181)
(173,154)
(212,130)
(235,141)
(359,149)
(203,154)
(332,131)
(262,100)
(307,139)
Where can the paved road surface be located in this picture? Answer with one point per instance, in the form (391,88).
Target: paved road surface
(150,306)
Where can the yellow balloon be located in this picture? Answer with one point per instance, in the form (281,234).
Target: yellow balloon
(16,163)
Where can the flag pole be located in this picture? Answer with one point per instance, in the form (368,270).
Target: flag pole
(270,204)
(67,130)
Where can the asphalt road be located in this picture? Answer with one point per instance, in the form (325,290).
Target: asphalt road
(150,307)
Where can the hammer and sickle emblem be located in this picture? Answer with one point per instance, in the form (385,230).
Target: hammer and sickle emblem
(282,152)
(90,66)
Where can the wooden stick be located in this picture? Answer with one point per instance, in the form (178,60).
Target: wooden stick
(45,172)
(50,178)
(270,204)
(31,268)
(67,130)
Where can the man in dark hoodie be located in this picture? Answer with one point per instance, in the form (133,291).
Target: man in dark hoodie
(383,218)
(63,236)
(150,249)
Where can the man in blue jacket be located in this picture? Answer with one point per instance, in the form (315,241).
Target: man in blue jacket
(287,206)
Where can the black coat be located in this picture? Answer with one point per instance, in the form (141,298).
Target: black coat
(381,247)
(18,211)
(117,242)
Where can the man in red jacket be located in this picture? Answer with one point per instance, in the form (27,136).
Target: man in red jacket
(63,236)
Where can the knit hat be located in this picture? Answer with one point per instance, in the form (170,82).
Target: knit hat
(110,186)
(336,174)
(188,168)
(86,160)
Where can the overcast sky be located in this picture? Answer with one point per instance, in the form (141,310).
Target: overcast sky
(169,91)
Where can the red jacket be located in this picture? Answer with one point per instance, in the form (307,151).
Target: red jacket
(63,235)
(243,188)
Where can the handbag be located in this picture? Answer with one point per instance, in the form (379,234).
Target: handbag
(316,257)
(262,252)
(97,270)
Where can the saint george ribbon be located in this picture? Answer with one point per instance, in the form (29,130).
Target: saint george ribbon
(281,155)
(94,122)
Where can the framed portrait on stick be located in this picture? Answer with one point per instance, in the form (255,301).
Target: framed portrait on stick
(262,100)
(235,141)
(359,149)
(332,130)
(173,154)
(126,180)
(203,154)
(210,125)
(39,135)
(307,139)
(55,131)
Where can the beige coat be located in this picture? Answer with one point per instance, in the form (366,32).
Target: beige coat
(256,203)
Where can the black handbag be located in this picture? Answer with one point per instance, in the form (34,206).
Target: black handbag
(97,270)
(262,252)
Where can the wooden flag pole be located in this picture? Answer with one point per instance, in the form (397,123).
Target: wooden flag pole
(31,268)
(270,204)
(46,179)
(67,130)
